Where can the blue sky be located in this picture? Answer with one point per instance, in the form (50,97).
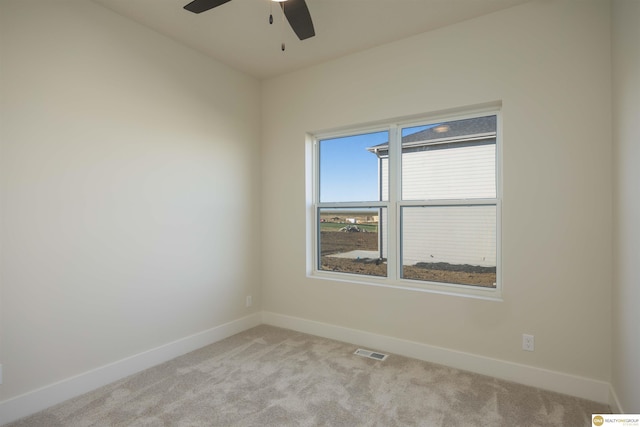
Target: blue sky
(348,172)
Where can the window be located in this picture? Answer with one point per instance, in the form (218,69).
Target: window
(413,205)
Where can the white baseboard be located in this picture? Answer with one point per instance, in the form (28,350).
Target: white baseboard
(573,385)
(42,398)
(614,403)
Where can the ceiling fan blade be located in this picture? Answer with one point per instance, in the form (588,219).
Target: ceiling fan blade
(299,18)
(199,6)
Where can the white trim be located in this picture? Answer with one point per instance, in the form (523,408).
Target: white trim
(466,291)
(449,202)
(394,177)
(499,197)
(311,191)
(351,205)
(395,203)
(614,402)
(42,398)
(586,388)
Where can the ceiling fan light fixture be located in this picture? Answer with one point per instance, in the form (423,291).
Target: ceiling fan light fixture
(296,12)
(278,1)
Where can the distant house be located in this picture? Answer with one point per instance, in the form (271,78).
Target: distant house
(453,160)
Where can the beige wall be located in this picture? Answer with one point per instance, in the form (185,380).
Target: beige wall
(129,191)
(626,133)
(130,205)
(549,64)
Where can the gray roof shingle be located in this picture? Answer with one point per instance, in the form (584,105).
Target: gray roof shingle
(448,132)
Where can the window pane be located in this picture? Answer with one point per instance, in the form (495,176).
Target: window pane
(350,241)
(450,160)
(350,168)
(450,244)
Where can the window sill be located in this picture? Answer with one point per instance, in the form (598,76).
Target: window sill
(465,291)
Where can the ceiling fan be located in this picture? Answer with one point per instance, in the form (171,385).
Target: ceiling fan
(296,12)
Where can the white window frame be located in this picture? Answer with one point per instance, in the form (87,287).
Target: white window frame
(394,205)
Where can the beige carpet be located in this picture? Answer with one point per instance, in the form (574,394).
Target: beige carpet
(268,376)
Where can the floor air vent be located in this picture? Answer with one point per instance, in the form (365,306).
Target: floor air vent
(371,354)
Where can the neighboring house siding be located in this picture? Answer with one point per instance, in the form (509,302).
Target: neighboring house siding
(450,173)
(456,235)
(451,234)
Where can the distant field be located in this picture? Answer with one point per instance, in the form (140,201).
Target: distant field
(334,220)
(336,226)
(347,216)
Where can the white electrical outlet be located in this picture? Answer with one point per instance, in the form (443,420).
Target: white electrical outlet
(249,301)
(527,342)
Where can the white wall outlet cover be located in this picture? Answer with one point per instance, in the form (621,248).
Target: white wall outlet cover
(527,342)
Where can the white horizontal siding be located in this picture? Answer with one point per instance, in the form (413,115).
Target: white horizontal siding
(452,234)
(451,173)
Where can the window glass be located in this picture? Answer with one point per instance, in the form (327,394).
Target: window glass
(350,241)
(450,160)
(349,169)
(450,244)
(413,206)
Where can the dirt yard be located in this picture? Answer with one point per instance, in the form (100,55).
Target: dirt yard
(333,242)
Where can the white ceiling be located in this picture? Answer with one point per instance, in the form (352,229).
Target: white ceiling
(238,33)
